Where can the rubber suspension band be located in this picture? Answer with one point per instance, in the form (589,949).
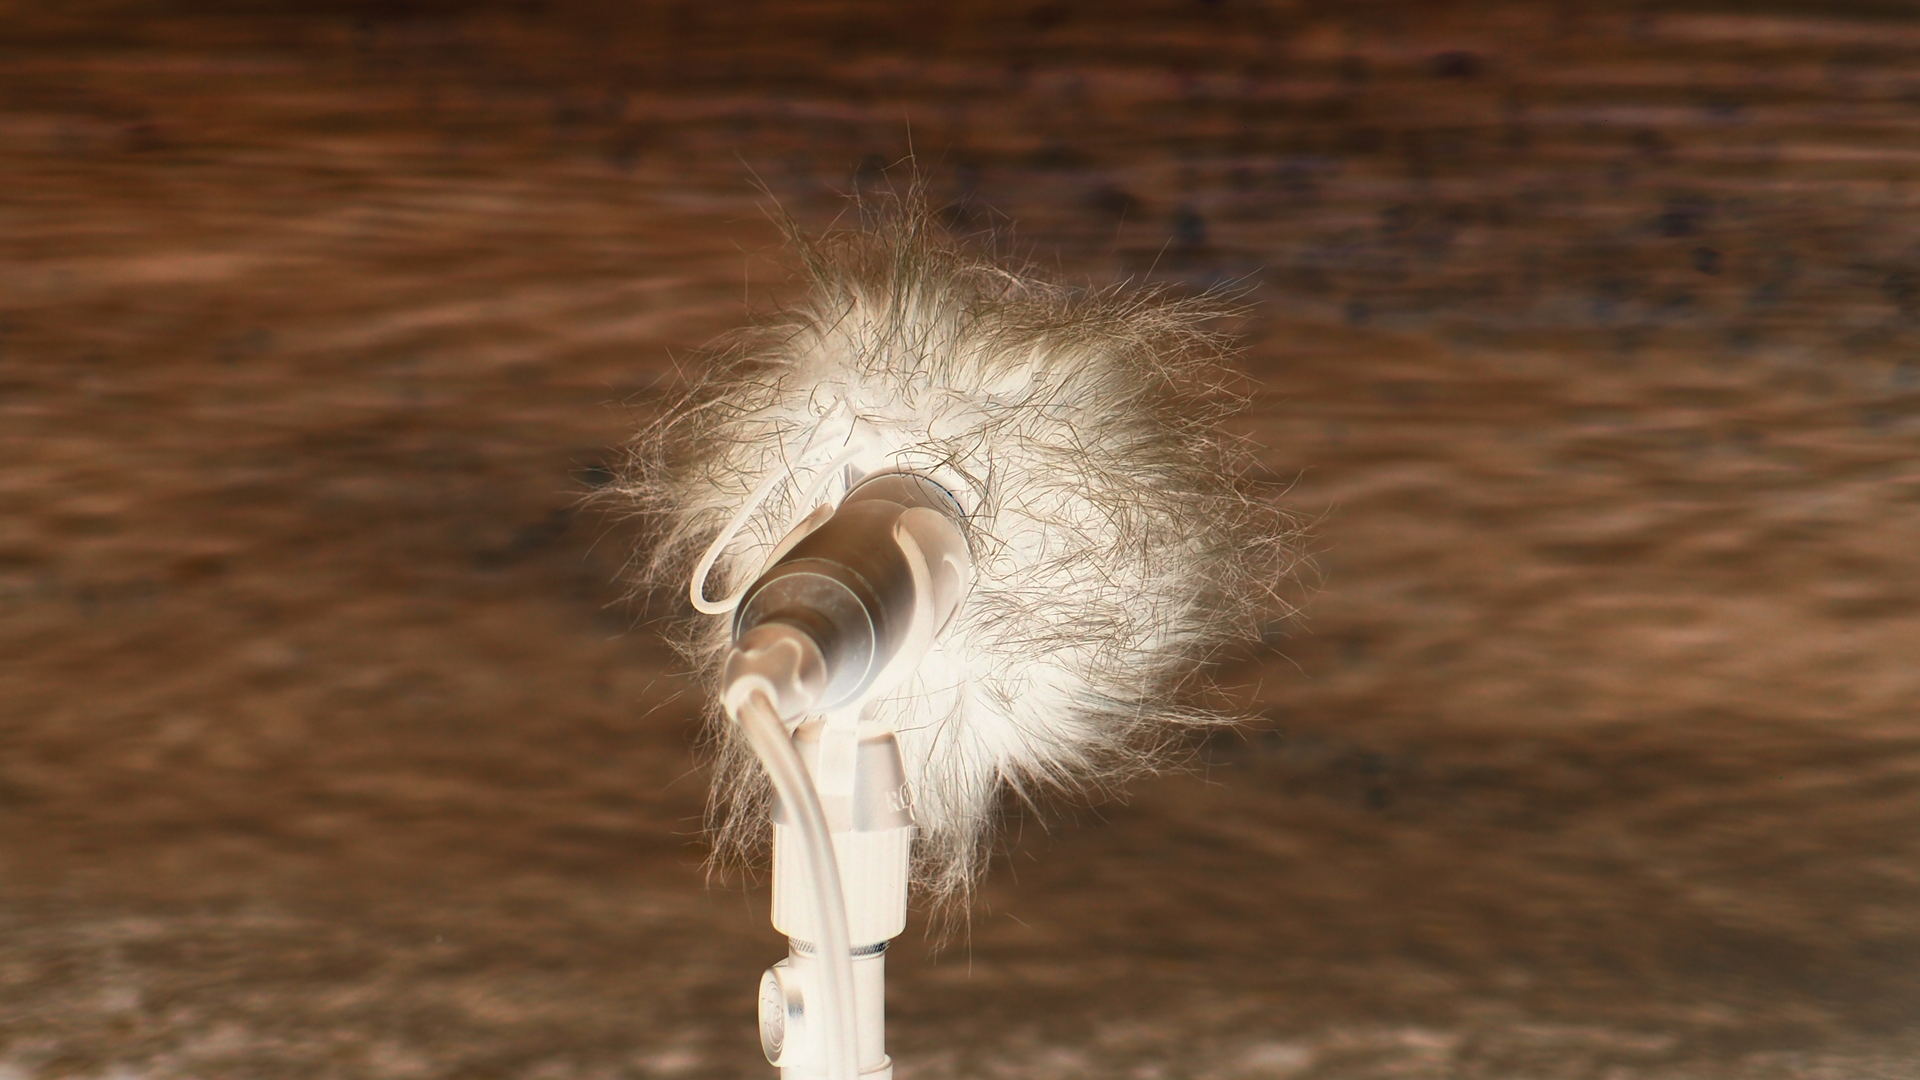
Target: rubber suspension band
(697,585)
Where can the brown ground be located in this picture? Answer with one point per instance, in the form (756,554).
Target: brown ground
(1591,334)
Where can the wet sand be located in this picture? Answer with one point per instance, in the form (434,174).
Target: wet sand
(1589,337)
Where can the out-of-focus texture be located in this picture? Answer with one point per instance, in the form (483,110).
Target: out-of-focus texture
(1591,332)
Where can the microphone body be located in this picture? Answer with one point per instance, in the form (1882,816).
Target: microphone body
(870,585)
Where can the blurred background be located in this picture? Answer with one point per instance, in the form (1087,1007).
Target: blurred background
(1587,334)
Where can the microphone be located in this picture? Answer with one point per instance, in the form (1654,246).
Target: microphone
(851,601)
(979,531)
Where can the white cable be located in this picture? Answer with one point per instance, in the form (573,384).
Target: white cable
(836,1026)
(697,586)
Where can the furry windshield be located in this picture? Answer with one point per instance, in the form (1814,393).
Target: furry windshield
(1116,543)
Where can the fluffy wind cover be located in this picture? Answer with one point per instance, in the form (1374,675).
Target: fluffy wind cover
(1115,541)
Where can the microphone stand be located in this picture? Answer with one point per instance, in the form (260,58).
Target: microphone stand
(862,788)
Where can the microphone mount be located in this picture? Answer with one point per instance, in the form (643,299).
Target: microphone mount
(854,597)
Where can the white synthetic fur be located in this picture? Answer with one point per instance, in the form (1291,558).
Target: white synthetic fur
(1113,543)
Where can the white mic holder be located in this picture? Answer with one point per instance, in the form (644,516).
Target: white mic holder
(863,789)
